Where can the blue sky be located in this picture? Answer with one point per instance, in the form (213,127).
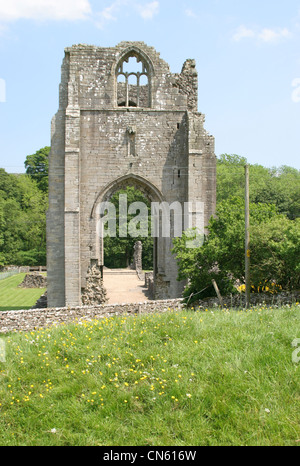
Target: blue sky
(247,55)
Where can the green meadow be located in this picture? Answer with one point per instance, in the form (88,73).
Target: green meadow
(14,298)
(209,377)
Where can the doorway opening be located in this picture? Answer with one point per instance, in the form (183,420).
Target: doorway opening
(130,229)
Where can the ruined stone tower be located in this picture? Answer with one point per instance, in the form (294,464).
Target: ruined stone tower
(123,119)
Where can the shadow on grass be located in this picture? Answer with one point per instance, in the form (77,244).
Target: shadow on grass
(14,308)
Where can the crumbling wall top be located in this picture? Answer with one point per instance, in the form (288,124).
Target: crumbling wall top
(93,71)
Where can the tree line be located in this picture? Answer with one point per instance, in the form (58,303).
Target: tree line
(23,206)
(274,232)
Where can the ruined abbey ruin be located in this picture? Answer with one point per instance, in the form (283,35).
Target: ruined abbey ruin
(123,119)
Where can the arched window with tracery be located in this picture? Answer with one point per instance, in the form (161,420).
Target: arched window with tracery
(133,82)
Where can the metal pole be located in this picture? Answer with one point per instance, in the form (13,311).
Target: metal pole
(247,237)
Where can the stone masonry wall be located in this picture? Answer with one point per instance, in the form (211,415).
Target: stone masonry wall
(31,319)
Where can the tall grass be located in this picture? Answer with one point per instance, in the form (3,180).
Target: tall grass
(180,378)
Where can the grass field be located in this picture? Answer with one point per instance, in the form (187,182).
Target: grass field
(180,378)
(14,298)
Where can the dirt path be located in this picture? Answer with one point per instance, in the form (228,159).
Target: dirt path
(124,286)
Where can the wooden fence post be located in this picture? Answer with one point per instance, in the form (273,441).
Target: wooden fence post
(247,238)
(218,292)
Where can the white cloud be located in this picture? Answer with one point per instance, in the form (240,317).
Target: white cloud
(71,10)
(112,13)
(243,32)
(271,35)
(149,10)
(107,14)
(265,35)
(12,10)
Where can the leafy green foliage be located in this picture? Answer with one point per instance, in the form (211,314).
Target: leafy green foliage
(37,167)
(278,186)
(222,256)
(22,220)
(118,251)
(275,231)
(276,252)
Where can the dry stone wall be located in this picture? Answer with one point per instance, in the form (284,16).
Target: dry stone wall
(31,319)
(34,280)
(27,320)
(256,299)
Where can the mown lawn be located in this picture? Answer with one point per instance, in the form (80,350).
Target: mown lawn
(181,378)
(14,298)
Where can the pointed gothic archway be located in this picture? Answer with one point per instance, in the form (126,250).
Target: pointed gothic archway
(151,193)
